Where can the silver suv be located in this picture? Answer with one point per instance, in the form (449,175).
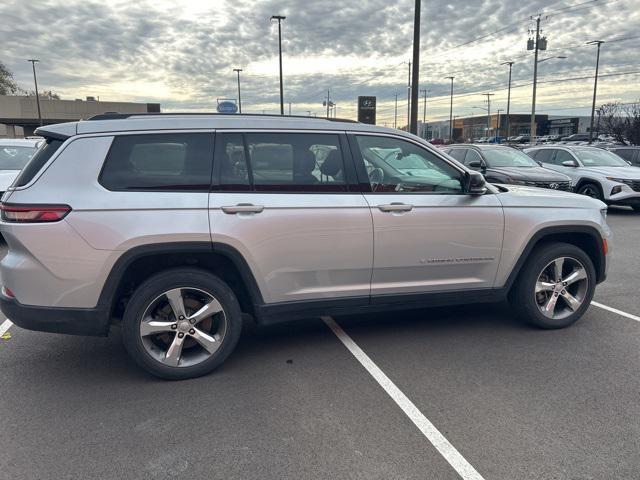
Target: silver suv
(178,227)
(594,172)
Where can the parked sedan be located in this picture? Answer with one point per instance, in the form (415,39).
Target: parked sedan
(500,164)
(14,155)
(595,172)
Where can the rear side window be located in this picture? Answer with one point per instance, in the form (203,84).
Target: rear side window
(166,162)
(42,156)
(458,154)
(280,162)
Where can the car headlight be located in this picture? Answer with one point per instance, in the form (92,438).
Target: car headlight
(619,180)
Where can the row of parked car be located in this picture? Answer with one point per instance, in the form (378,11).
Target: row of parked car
(612,176)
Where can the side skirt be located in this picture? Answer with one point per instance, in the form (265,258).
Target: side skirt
(268,314)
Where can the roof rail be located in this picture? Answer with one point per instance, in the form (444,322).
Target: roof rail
(119,116)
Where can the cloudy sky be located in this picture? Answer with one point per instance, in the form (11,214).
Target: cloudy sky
(181,53)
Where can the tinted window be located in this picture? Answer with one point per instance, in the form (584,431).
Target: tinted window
(302,162)
(458,154)
(44,153)
(543,155)
(625,153)
(472,156)
(231,162)
(561,156)
(174,161)
(394,165)
(15,157)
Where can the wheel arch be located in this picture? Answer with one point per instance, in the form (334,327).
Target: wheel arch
(138,263)
(585,180)
(584,237)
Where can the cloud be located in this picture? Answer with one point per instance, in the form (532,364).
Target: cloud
(182,53)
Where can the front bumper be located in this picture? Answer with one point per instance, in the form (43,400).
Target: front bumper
(73,321)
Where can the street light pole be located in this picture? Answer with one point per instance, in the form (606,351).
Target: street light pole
(508,100)
(416,69)
(279,18)
(451,112)
(238,70)
(595,86)
(395,114)
(35,81)
(409,98)
(498,125)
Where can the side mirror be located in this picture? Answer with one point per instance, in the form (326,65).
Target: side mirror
(477,165)
(569,163)
(475,184)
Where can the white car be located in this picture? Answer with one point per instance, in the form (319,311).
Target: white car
(14,155)
(594,172)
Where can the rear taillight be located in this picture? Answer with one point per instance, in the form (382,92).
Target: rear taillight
(33,213)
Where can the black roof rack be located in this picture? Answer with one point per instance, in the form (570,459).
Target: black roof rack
(119,116)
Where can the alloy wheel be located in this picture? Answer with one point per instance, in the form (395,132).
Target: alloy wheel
(183,327)
(561,288)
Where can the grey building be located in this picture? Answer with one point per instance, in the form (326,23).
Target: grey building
(19,114)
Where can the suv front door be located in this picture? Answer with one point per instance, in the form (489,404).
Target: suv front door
(428,234)
(283,201)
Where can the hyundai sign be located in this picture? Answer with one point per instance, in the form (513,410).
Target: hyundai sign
(367,110)
(227,106)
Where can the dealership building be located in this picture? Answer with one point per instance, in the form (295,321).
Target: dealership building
(472,128)
(19,114)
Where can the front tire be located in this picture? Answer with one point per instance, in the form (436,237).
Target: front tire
(592,190)
(555,286)
(181,323)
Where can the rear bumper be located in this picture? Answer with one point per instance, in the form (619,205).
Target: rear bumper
(73,321)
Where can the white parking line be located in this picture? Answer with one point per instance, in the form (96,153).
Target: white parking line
(6,325)
(448,451)
(615,310)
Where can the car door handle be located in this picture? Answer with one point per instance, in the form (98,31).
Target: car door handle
(395,207)
(243,208)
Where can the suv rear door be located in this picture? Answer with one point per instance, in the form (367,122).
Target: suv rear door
(283,200)
(428,235)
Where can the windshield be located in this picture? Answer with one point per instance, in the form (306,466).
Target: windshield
(15,158)
(507,157)
(599,158)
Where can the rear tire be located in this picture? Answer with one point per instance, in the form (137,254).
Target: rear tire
(181,323)
(550,300)
(592,190)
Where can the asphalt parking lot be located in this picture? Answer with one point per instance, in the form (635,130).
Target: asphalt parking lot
(293,402)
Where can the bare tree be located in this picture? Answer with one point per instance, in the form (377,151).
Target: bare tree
(7,85)
(621,121)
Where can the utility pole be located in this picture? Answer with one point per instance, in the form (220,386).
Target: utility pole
(280,18)
(395,114)
(238,70)
(508,100)
(328,102)
(488,95)
(409,98)
(289,108)
(451,112)
(595,86)
(424,114)
(415,81)
(532,135)
(35,81)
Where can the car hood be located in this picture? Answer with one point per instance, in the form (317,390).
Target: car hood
(535,174)
(521,196)
(630,173)
(6,178)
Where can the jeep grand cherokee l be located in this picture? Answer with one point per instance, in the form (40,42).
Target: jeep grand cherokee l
(179,226)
